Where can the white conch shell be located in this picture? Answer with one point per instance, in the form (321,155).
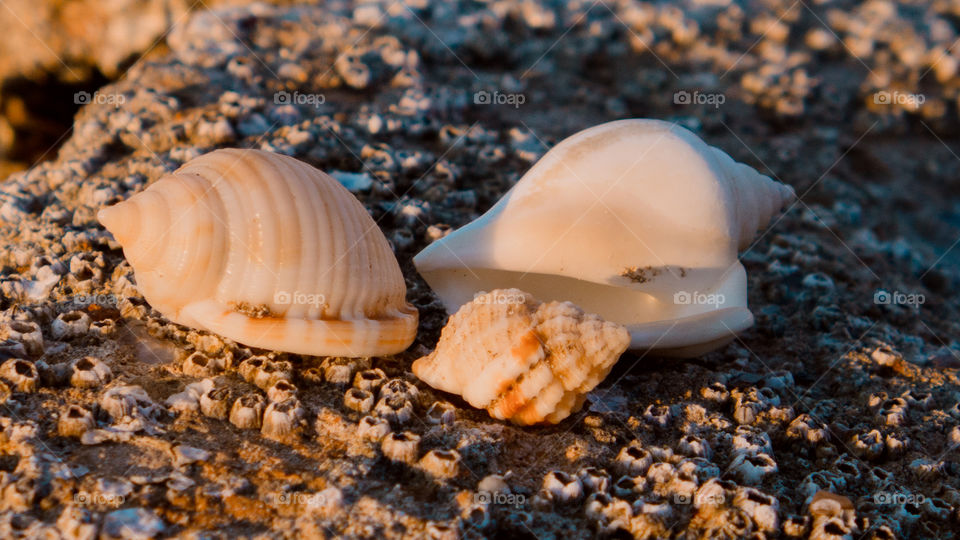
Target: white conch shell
(268,251)
(522,360)
(628,220)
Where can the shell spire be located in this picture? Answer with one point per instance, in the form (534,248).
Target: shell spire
(757,197)
(520,359)
(141,223)
(267,251)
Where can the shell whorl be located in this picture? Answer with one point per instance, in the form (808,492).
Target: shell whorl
(757,198)
(247,230)
(520,359)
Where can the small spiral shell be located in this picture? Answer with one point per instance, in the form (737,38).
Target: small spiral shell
(521,360)
(267,251)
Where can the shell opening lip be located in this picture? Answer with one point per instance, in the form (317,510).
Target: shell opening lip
(377,337)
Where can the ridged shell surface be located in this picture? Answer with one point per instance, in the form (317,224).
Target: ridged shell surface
(268,251)
(639,221)
(520,359)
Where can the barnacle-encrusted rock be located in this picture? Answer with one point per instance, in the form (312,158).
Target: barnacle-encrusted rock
(358,400)
(215,403)
(282,418)
(247,411)
(89,372)
(441,463)
(21,375)
(74,421)
(69,325)
(372,428)
(401,447)
(281,391)
(561,487)
(369,379)
(396,409)
(25,332)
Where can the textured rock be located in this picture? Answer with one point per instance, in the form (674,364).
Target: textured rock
(370,89)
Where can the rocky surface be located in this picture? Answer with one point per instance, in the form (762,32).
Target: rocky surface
(119,423)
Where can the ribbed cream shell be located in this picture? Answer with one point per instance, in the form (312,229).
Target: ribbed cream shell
(239,229)
(522,360)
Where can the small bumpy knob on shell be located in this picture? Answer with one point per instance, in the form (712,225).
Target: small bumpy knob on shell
(268,251)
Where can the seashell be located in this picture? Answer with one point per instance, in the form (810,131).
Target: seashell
(638,221)
(691,445)
(520,359)
(268,251)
